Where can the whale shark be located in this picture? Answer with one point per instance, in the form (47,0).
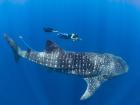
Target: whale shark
(94,68)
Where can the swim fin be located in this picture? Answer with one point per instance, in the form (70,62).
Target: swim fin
(49,29)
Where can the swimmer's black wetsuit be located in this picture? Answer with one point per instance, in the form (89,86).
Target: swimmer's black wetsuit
(72,36)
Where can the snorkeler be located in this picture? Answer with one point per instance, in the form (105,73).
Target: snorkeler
(72,36)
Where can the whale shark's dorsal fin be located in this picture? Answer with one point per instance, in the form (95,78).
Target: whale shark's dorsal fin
(52,46)
(93,84)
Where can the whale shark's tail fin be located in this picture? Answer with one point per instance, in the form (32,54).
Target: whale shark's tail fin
(13,46)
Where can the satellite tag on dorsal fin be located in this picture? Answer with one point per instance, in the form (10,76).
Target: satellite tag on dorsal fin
(52,46)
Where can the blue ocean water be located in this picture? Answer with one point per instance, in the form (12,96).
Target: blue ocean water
(111,26)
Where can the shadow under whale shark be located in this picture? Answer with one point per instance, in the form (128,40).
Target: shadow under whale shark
(94,68)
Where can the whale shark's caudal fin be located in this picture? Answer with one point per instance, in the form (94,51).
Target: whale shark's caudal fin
(13,46)
(93,84)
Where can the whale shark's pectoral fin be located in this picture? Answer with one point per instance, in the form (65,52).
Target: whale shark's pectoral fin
(52,47)
(93,84)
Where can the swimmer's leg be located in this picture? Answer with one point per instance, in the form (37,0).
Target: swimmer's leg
(63,35)
(49,29)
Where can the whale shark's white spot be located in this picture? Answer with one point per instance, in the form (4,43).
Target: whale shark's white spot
(73,72)
(55,66)
(69,65)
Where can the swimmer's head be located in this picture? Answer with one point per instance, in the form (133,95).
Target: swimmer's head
(75,37)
